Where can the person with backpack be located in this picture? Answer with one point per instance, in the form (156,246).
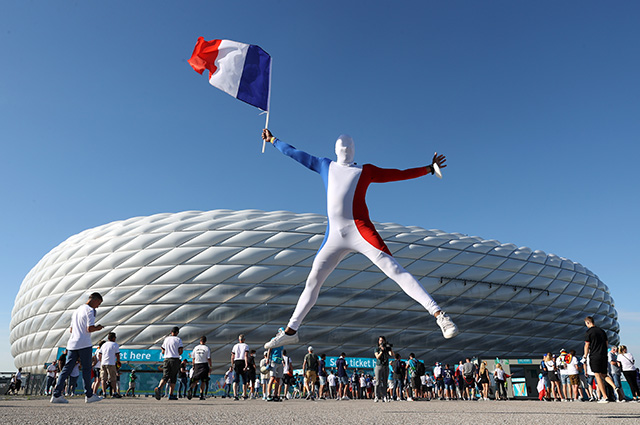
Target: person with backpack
(398,377)
(413,378)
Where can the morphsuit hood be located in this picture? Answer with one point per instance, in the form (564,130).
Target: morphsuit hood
(345,150)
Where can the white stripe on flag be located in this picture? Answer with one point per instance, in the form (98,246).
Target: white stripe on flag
(230,63)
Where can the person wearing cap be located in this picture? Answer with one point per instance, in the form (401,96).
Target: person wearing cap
(563,374)
(310,369)
(172,351)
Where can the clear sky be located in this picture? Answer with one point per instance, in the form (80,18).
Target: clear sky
(535,104)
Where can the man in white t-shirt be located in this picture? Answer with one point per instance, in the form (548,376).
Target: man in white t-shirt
(109,356)
(287,373)
(572,372)
(201,356)
(172,349)
(79,347)
(52,372)
(563,375)
(240,362)
(331,380)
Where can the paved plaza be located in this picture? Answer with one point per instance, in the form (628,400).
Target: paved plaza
(147,410)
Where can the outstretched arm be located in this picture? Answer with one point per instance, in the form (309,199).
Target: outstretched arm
(384,175)
(311,162)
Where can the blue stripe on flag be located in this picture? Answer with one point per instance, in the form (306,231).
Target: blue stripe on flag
(254,83)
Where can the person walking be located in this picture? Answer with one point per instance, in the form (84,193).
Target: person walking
(240,361)
(109,356)
(595,346)
(349,229)
(172,349)
(52,374)
(201,356)
(79,348)
(630,371)
(132,384)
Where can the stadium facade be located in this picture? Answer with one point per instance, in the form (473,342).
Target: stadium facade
(221,273)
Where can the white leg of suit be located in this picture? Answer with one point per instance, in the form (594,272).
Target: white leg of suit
(340,242)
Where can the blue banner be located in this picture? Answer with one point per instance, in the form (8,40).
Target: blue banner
(353,362)
(146,356)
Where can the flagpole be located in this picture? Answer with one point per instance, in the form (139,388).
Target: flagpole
(266,125)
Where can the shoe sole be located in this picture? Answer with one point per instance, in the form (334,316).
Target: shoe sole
(271,344)
(451,335)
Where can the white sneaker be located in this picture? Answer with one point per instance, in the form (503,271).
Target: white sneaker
(59,399)
(409,399)
(376,400)
(281,339)
(603,400)
(346,398)
(92,399)
(449,329)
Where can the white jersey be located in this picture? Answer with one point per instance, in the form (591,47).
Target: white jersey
(108,351)
(52,370)
(172,345)
(331,379)
(201,354)
(239,350)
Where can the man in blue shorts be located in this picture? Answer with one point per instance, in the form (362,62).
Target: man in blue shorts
(343,378)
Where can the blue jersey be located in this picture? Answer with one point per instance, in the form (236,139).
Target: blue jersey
(276,354)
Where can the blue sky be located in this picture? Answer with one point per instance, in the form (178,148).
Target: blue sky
(535,104)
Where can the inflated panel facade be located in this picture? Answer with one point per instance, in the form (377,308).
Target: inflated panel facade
(221,273)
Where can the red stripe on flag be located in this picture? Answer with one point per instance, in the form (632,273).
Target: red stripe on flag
(204,56)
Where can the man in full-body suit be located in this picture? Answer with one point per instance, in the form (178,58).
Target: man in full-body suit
(349,229)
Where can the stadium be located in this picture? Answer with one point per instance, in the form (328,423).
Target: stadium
(221,273)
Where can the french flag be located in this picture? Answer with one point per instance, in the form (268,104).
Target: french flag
(242,70)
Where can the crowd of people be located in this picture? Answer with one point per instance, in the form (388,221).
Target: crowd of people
(563,377)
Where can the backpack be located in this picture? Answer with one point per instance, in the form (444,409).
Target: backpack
(398,367)
(420,369)
(412,368)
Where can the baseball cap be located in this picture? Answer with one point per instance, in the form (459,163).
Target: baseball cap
(310,348)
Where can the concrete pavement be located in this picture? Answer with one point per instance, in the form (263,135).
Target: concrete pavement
(147,410)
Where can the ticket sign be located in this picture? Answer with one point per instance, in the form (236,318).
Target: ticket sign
(353,362)
(146,356)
